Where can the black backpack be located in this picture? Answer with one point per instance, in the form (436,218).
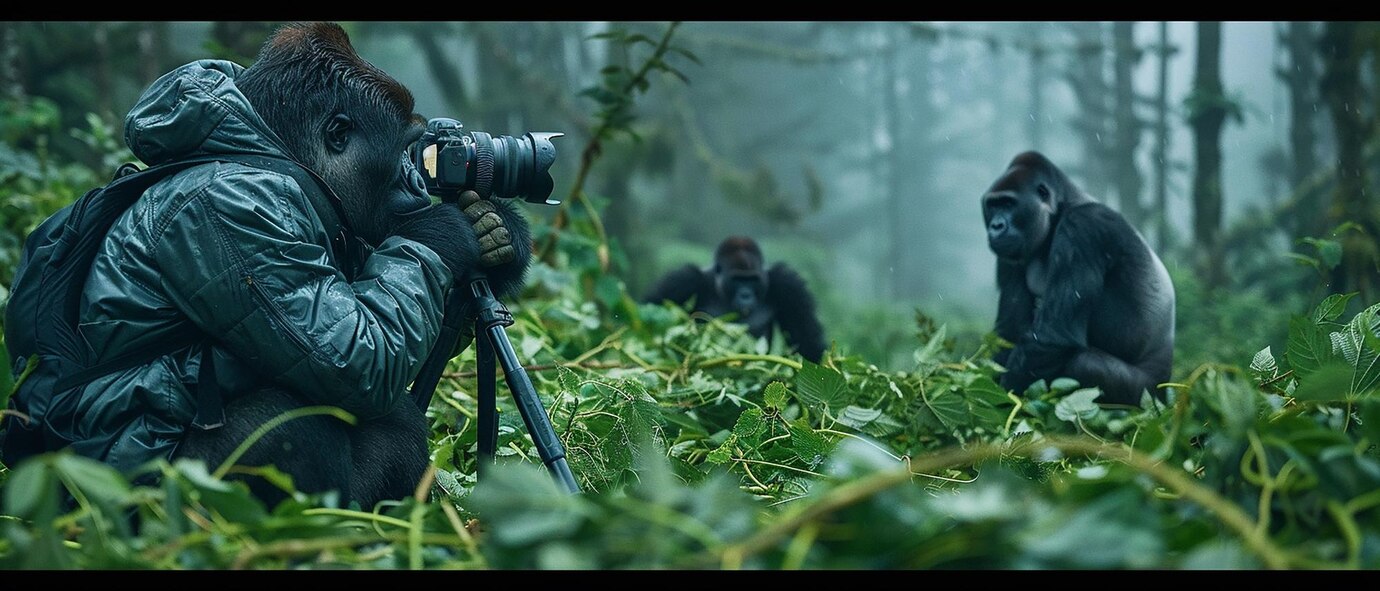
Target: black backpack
(47,352)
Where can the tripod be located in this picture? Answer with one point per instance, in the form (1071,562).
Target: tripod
(491,340)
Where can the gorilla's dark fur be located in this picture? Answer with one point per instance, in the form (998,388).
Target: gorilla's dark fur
(1082,294)
(738,282)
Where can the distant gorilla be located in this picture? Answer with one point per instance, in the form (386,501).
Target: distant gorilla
(737,282)
(1082,294)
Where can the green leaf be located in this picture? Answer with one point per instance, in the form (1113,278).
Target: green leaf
(949,407)
(724,453)
(857,417)
(1358,344)
(750,426)
(1078,405)
(1109,531)
(31,488)
(522,505)
(98,481)
(820,388)
(1329,251)
(1328,383)
(808,445)
(775,395)
(1331,307)
(1309,346)
(609,290)
(1063,385)
(1263,365)
(927,354)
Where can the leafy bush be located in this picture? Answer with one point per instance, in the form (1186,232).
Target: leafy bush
(699,449)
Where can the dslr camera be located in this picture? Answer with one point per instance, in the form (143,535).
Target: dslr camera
(452,160)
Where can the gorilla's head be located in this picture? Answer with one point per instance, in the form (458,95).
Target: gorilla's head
(738,274)
(341,117)
(1022,206)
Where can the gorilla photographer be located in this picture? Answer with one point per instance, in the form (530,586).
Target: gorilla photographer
(296,295)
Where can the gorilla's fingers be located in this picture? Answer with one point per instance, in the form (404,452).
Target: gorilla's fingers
(494,240)
(504,254)
(488,223)
(479,210)
(469,198)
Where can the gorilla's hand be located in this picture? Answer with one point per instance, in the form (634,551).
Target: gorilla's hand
(503,240)
(495,241)
(445,230)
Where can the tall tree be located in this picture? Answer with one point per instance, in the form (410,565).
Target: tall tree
(11,81)
(152,39)
(1035,122)
(1301,78)
(1352,201)
(1128,125)
(891,119)
(1087,76)
(1162,142)
(1208,108)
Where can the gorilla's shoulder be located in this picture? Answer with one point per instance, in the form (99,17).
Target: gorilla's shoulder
(1093,216)
(1095,226)
(783,273)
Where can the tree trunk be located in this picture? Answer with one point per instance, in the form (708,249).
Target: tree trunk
(1207,121)
(1128,127)
(1162,143)
(11,81)
(1301,79)
(101,36)
(895,207)
(1087,77)
(239,41)
(1351,201)
(152,39)
(1035,124)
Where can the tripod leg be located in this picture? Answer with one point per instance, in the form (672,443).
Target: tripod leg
(533,413)
(487,370)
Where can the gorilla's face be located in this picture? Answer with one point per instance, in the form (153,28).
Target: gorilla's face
(363,161)
(744,293)
(1017,212)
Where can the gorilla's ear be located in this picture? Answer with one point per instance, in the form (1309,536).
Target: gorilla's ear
(338,132)
(716,269)
(1042,190)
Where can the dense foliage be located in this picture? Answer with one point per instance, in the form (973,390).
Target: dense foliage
(700,448)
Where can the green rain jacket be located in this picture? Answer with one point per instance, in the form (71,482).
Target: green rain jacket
(243,255)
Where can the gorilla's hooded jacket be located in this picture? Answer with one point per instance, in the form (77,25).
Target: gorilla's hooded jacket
(244,255)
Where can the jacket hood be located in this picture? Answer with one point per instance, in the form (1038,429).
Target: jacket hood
(197,109)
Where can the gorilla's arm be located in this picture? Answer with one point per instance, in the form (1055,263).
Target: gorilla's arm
(265,287)
(1077,264)
(680,285)
(1016,309)
(507,279)
(794,309)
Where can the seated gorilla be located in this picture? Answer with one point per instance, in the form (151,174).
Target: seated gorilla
(301,302)
(736,282)
(1082,294)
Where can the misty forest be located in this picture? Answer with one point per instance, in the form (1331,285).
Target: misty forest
(1246,155)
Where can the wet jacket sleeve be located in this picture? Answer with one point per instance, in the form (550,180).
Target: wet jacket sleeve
(244,260)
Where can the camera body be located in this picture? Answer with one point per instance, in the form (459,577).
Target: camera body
(452,160)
